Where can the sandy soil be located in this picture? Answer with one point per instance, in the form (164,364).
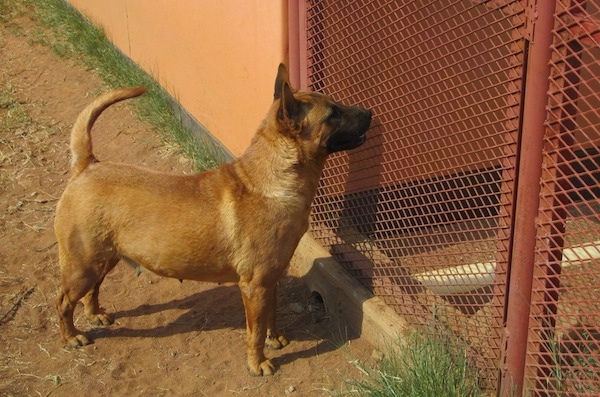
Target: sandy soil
(170,338)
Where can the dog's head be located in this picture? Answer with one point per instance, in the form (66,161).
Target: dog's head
(320,125)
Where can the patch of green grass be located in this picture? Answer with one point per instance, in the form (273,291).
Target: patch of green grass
(16,116)
(422,364)
(69,35)
(6,100)
(12,113)
(570,363)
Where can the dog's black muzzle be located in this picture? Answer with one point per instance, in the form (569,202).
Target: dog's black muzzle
(353,124)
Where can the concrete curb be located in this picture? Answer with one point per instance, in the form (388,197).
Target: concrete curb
(366,315)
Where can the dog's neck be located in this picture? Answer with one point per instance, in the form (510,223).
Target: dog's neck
(275,168)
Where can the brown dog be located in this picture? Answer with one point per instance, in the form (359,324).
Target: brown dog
(238,223)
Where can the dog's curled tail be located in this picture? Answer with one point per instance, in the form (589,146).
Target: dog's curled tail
(81,141)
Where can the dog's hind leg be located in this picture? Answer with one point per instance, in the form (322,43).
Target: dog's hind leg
(73,289)
(71,335)
(79,282)
(274,341)
(94,313)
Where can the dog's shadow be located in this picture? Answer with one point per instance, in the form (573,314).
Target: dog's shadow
(199,313)
(307,321)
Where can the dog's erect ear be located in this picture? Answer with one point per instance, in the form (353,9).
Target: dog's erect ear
(282,77)
(289,107)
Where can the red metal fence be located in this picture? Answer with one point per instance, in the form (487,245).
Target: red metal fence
(476,200)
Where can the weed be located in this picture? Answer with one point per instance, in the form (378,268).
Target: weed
(15,116)
(432,363)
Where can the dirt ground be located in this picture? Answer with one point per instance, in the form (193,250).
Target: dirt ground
(169,338)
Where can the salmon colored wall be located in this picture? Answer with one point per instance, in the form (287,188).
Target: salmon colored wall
(217,58)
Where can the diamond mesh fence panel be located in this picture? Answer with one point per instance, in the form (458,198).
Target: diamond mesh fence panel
(564,341)
(421,213)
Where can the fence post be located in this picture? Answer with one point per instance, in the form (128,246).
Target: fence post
(296,21)
(522,250)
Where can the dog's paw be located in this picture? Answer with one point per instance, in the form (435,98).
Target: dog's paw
(78,340)
(276,343)
(265,368)
(100,319)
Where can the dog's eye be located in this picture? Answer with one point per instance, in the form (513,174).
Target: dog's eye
(335,115)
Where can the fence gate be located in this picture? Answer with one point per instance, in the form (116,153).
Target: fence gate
(475,202)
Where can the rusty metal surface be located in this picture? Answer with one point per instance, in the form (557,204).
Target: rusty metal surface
(564,342)
(424,213)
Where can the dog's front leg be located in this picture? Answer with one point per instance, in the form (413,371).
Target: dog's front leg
(257,304)
(274,341)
